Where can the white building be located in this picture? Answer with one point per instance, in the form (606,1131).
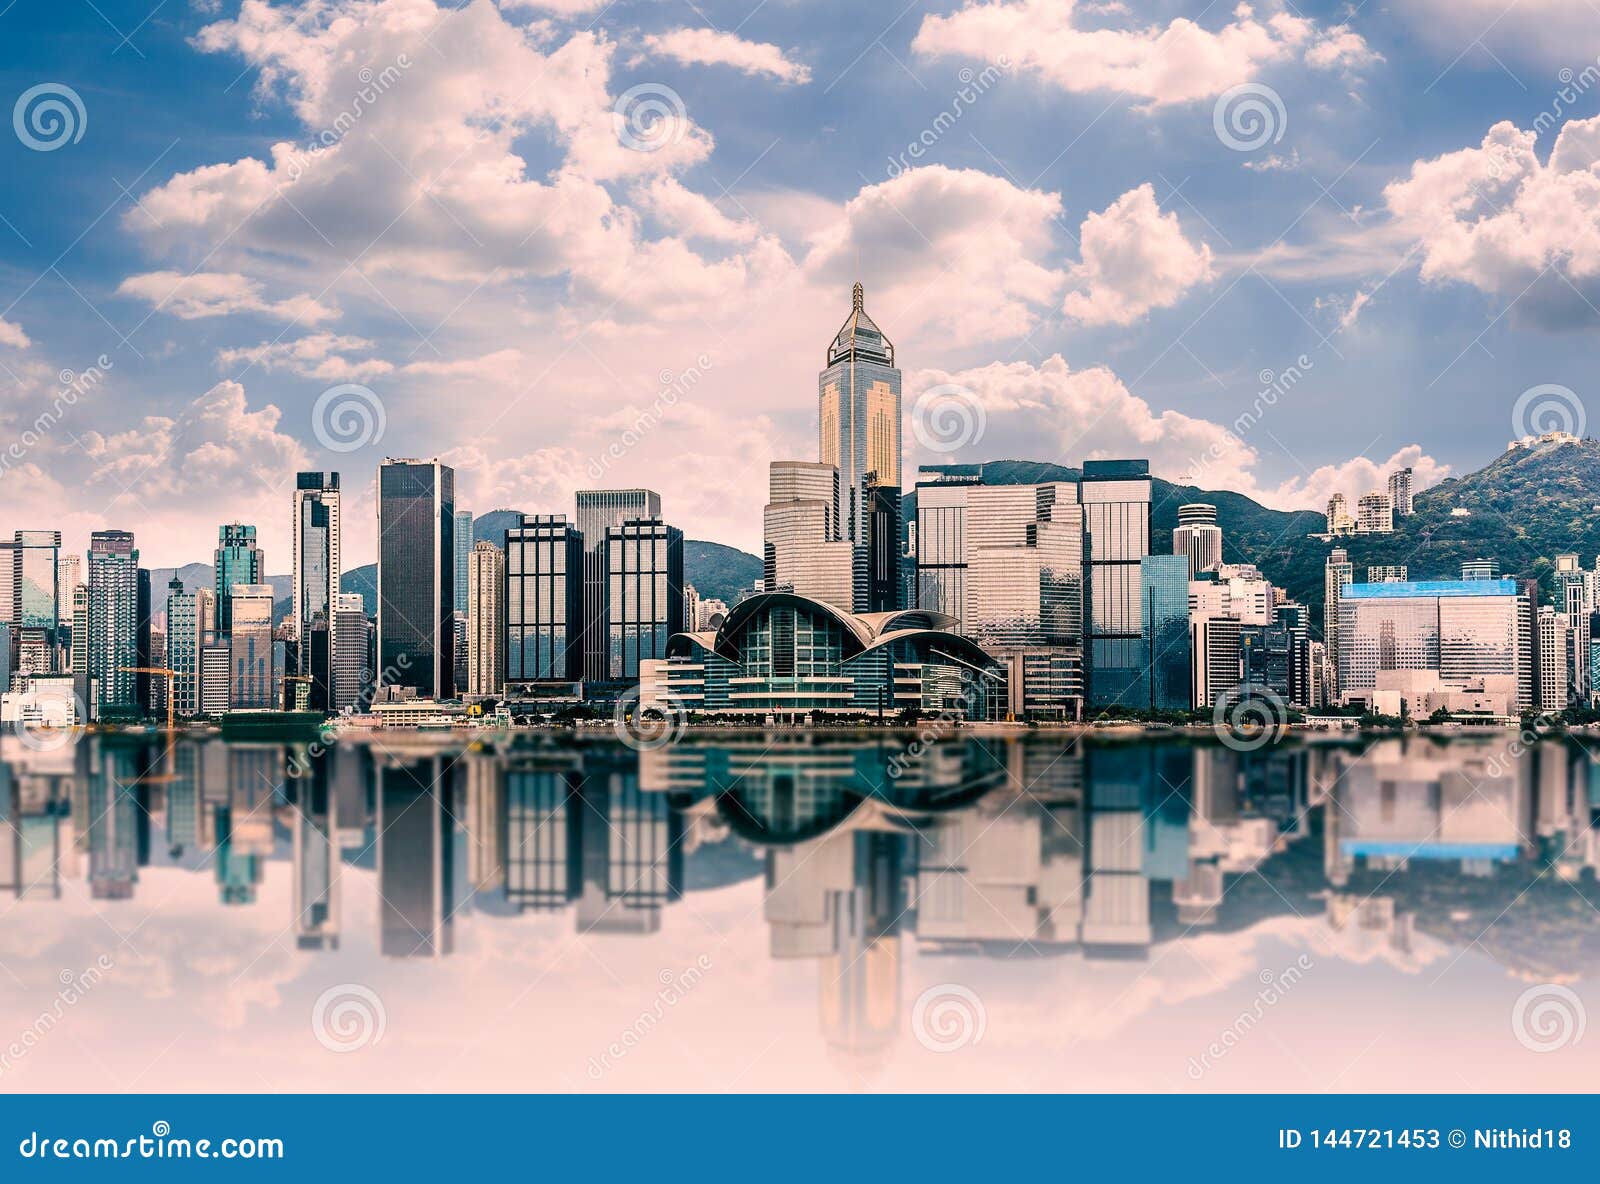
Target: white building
(1375,513)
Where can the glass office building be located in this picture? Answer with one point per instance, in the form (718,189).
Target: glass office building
(544,600)
(644,593)
(858,411)
(113,619)
(416,577)
(316,560)
(35,605)
(1116,519)
(252,685)
(1464,629)
(1164,584)
(238,561)
(598,510)
(804,552)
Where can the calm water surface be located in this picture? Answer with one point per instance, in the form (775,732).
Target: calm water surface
(798,912)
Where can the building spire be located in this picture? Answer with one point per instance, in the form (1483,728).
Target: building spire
(858,297)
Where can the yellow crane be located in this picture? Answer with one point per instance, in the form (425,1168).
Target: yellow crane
(169,675)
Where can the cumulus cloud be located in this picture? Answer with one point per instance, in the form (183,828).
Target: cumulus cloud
(1134,259)
(1467,32)
(12,335)
(959,250)
(1053,411)
(708,47)
(323,356)
(1177,62)
(216,294)
(1495,217)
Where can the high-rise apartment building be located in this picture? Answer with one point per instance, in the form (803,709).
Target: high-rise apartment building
(1116,517)
(805,551)
(1198,536)
(1338,573)
(598,510)
(416,576)
(251,682)
(1339,520)
(1400,492)
(644,593)
(317,559)
(486,617)
(1387,573)
(191,625)
(238,561)
(113,623)
(347,660)
(1374,513)
(858,413)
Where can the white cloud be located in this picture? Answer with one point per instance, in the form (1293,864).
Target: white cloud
(1354,478)
(708,47)
(1471,34)
(1178,62)
(217,294)
(12,335)
(317,355)
(1496,218)
(1134,259)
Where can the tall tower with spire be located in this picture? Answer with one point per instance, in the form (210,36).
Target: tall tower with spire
(858,420)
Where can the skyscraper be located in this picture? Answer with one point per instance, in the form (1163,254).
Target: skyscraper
(464,539)
(1198,536)
(35,606)
(416,576)
(113,620)
(1164,584)
(238,561)
(251,683)
(191,625)
(858,414)
(545,601)
(1400,492)
(644,593)
(1337,574)
(69,574)
(347,658)
(1116,515)
(486,616)
(598,511)
(316,545)
(804,550)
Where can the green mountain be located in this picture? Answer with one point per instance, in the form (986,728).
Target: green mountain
(718,572)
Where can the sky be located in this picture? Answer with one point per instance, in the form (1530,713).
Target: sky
(1277,248)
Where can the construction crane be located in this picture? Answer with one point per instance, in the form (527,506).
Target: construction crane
(169,675)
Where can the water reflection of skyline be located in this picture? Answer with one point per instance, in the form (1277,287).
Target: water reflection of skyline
(986,848)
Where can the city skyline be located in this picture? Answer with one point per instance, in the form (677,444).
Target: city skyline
(1291,276)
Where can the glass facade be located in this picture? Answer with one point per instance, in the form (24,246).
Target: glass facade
(113,618)
(1164,581)
(238,561)
(316,559)
(35,608)
(544,601)
(644,593)
(416,577)
(1116,519)
(804,553)
(597,511)
(1461,628)
(251,683)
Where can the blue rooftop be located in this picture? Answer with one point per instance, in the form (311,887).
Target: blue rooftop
(1402,588)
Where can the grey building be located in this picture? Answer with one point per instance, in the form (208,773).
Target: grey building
(252,684)
(317,559)
(348,660)
(597,511)
(644,593)
(1116,518)
(416,577)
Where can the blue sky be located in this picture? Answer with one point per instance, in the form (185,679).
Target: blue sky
(551,296)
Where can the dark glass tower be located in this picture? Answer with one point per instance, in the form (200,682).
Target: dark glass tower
(239,561)
(598,511)
(644,593)
(544,600)
(416,577)
(1116,518)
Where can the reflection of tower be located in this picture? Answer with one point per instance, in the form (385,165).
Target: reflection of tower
(858,985)
(316,861)
(485,815)
(415,859)
(117,828)
(30,843)
(543,821)
(632,855)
